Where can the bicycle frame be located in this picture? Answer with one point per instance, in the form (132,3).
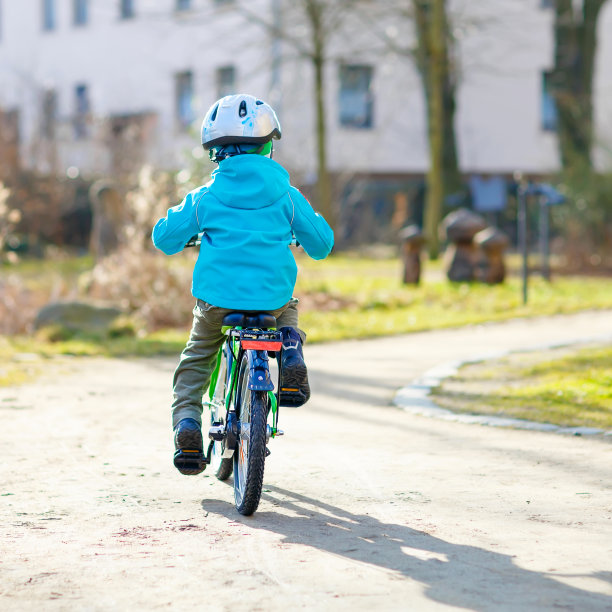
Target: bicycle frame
(256,344)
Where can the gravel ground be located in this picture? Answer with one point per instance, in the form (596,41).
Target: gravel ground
(365,506)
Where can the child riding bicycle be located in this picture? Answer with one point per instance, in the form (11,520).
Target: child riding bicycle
(249,214)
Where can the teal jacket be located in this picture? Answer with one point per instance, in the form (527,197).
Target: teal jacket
(248,212)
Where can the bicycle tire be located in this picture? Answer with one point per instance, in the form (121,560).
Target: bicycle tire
(222,467)
(250,455)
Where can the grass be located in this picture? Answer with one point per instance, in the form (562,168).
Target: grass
(44,273)
(565,387)
(163,342)
(351,296)
(22,357)
(357,297)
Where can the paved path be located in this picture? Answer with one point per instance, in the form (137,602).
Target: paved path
(365,506)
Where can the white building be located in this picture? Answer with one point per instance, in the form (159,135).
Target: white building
(85,76)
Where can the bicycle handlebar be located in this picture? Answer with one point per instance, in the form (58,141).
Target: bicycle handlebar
(196,240)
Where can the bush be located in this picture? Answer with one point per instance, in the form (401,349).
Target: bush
(9,218)
(123,327)
(584,224)
(144,284)
(55,333)
(137,278)
(18,305)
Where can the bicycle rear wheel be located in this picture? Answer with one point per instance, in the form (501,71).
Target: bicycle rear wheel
(250,455)
(221,466)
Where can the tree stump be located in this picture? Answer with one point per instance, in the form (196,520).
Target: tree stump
(492,243)
(412,241)
(460,227)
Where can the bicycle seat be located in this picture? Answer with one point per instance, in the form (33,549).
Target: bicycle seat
(261,320)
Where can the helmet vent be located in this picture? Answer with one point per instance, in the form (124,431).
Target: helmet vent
(242,109)
(258,102)
(214,113)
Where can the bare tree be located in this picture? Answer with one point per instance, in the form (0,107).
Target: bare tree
(575,31)
(432,51)
(309,28)
(438,76)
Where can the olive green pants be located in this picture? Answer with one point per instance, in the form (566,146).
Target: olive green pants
(198,360)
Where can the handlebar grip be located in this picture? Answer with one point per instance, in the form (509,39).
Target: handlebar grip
(194,241)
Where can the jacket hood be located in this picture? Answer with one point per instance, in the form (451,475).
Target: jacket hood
(249,181)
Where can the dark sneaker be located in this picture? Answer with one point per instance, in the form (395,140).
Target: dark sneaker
(294,388)
(189,457)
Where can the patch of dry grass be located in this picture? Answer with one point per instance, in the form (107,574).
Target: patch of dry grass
(568,387)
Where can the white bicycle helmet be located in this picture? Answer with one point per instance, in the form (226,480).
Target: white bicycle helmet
(239,119)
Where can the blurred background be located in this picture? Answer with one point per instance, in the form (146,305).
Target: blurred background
(402,119)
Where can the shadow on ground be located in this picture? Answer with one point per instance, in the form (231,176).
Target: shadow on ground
(453,574)
(353,388)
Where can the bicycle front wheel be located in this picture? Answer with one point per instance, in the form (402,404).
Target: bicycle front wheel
(250,454)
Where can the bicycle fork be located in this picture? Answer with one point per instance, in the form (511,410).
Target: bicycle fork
(255,345)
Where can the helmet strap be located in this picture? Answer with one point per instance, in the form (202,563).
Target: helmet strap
(218,154)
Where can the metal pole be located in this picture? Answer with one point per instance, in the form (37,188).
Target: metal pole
(522,235)
(544,246)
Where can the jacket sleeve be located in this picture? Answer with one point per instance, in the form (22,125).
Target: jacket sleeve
(310,228)
(181,222)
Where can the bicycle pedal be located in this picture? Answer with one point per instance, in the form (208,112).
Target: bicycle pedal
(190,462)
(293,397)
(217,432)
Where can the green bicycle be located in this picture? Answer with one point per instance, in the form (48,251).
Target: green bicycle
(241,400)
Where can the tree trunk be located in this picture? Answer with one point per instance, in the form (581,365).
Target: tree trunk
(314,10)
(450,161)
(437,74)
(575,48)
(325,203)
(435,177)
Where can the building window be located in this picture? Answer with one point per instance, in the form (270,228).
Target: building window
(48,7)
(82,110)
(49,114)
(226,81)
(355,99)
(550,117)
(183,5)
(184,99)
(127,9)
(80,9)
